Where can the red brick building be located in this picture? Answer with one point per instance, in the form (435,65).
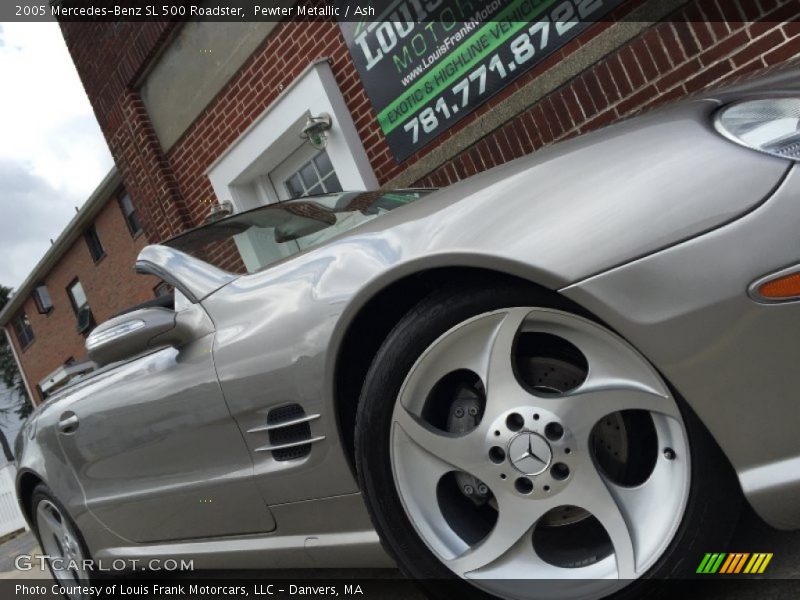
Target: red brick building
(202,113)
(84,278)
(167,153)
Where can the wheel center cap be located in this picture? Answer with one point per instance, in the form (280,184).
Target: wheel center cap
(530,453)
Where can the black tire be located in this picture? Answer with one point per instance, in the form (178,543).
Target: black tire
(714,498)
(42,492)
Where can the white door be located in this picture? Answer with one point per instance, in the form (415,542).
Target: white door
(305,172)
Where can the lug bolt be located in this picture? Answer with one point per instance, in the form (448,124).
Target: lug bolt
(473,411)
(482,489)
(468,490)
(459,412)
(669,453)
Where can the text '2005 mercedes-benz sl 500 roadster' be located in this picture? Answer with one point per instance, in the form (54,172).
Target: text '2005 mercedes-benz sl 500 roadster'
(575,367)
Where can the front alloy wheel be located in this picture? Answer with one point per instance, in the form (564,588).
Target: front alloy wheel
(524,442)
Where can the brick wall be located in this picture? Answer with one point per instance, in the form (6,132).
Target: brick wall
(110,59)
(707,42)
(283,56)
(107,286)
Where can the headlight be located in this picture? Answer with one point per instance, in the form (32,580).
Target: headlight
(770,126)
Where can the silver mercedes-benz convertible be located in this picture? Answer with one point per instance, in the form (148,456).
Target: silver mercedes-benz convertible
(575,367)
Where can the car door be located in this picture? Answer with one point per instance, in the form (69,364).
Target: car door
(157,452)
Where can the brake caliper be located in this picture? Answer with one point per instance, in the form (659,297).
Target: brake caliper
(465,414)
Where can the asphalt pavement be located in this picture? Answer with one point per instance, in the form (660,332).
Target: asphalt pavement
(24,543)
(751,535)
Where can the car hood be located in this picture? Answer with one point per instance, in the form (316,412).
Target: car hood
(581,207)
(564,213)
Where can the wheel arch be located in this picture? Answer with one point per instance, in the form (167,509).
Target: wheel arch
(374,318)
(27,481)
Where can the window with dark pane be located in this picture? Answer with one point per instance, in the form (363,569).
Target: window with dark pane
(24,331)
(129,212)
(93,242)
(41,296)
(77,296)
(315,177)
(80,304)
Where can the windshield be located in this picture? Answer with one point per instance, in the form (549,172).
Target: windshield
(252,240)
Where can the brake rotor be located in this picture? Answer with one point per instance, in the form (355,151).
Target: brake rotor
(609,441)
(550,375)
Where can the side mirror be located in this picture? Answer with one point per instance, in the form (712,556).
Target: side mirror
(135,332)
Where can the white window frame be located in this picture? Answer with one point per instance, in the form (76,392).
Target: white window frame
(239,173)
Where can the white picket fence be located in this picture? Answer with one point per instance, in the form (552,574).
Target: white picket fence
(11,518)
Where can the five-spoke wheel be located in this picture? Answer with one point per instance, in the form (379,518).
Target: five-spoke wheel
(527,443)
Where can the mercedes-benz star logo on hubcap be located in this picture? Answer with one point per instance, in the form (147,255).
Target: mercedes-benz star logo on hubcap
(530,453)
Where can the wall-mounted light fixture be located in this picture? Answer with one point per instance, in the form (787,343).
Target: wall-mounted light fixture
(219,211)
(314,130)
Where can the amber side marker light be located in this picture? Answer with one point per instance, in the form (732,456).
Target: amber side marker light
(777,287)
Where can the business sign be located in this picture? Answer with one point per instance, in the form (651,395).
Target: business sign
(428,64)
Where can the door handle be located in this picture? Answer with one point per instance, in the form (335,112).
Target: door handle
(68,423)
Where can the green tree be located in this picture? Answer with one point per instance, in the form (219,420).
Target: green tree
(9,374)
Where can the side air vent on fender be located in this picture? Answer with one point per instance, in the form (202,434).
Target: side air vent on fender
(289,432)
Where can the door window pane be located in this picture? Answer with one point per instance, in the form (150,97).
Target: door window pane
(315,177)
(309,174)
(331,183)
(295,186)
(323,162)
